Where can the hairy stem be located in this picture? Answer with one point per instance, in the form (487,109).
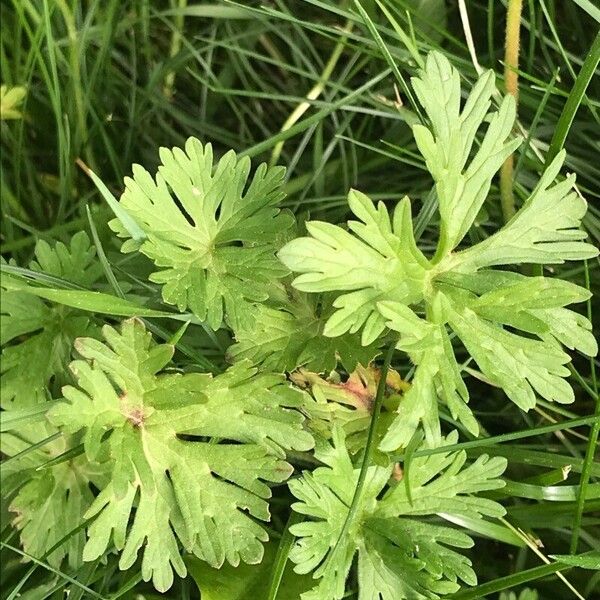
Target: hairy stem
(176,37)
(511,82)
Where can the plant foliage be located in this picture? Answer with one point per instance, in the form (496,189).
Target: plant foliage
(161,458)
(37,337)
(142,458)
(47,502)
(400,554)
(384,279)
(208,229)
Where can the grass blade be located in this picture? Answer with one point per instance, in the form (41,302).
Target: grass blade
(574,100)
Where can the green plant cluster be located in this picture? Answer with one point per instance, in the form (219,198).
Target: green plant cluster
(169,467)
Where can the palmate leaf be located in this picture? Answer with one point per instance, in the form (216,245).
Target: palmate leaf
(186,490)
(383,279)
(47,503)
(37,337)
(75,263)
(209,229)
(383,264)
(398,556)
(288,336)
(28,367)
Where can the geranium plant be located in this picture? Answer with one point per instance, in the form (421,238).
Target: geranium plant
(140,453)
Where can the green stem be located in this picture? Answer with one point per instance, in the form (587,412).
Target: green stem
(176,38)
(511,83)
(366,461)
(283,551)
(81,138)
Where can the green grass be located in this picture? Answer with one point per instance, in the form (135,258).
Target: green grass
(110,81)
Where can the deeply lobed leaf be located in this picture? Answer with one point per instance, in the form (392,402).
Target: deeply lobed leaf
(289,335)
(398,556)
(512,326)
(200,494)
(383,265)
(446,145)
(209,229)
(37,337)
(46,502)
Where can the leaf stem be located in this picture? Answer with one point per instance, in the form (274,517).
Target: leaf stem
(364,466)
(281,558)
(511,83)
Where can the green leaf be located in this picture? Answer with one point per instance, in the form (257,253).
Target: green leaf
(531,304)
(36,337)
(46,504)
(437,374)
(209,230)
(187,491)
(75,263)
(590,560)
(21,314)
(446,146)
(398,556)
(517,364)
(10,98)
(545,230)
(28,415)
(51,503)
(283,339)
(384,264)
(513,326)
(99,302)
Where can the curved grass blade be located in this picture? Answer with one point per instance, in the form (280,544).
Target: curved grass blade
(574,100)
(506,437)
(133,229)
